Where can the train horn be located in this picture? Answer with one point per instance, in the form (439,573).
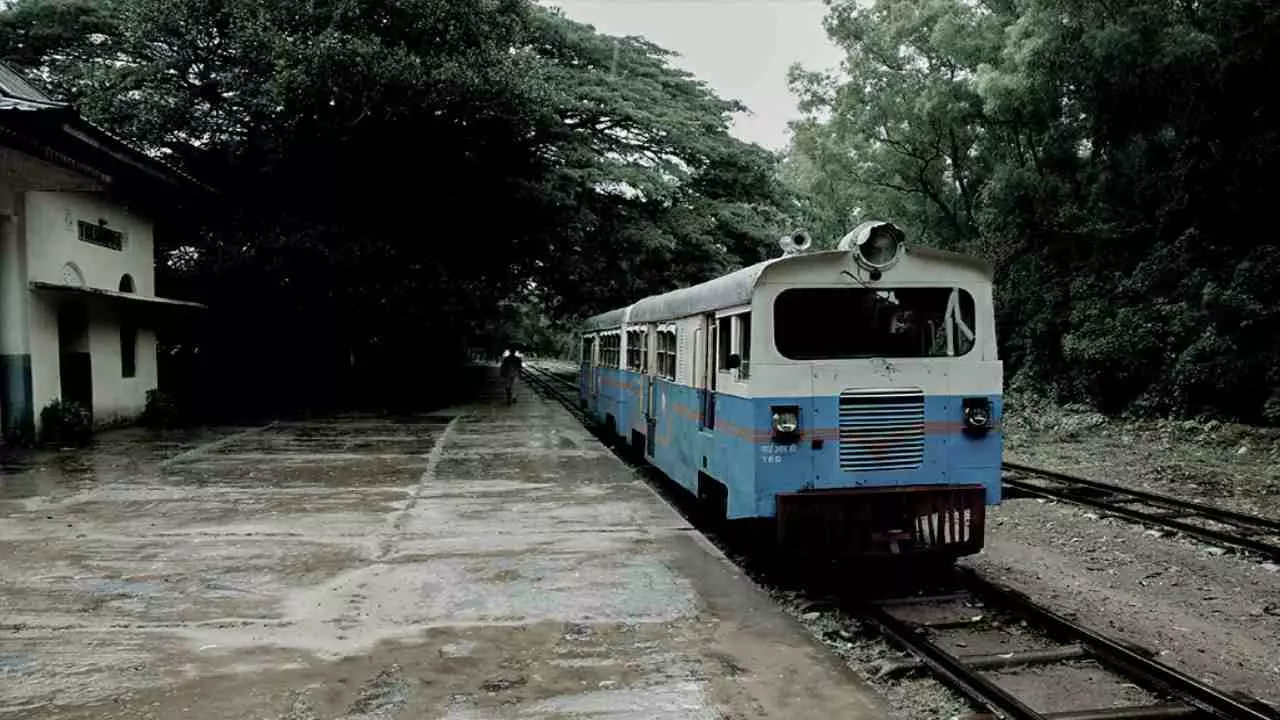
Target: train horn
(795,243)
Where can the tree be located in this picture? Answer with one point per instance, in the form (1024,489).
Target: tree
(1108,157)
(396,170)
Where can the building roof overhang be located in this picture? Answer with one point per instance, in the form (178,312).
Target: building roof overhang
(34,123)
(115,296)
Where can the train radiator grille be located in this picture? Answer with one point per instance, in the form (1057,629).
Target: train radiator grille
(881,429)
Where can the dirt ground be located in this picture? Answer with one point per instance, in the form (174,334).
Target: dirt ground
(1232,466)
(1208,612)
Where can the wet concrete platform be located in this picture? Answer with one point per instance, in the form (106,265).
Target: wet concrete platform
(481,562)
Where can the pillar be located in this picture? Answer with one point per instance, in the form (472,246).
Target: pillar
(17,416)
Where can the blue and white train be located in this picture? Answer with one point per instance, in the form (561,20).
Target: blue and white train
(852,397)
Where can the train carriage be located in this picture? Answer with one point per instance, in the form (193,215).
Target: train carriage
(850,397)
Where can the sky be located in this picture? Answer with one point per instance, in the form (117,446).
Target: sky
(741,48)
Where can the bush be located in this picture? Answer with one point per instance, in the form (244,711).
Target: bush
(161,410)
(65,422)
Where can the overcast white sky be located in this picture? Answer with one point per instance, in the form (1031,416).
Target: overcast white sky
(742,48)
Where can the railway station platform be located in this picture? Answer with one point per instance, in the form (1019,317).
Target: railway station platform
(484,561)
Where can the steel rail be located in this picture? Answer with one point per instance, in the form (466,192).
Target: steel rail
(1210,511)
(967,681)
(1247,523)
(1124,659)
(544,378)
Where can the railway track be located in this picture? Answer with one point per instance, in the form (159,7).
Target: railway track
(988,642)
(557,386)
(1012,635)
(1255,534)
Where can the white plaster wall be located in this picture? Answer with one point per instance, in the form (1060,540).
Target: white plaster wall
(53,240)
(22,175)
(51,237)
(115,397)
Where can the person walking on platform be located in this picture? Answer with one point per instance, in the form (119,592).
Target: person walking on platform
(512,363)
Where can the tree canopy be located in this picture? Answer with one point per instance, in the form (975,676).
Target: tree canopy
(1114,159)
(398,174)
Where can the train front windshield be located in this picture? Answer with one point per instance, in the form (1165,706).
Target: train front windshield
(848,323)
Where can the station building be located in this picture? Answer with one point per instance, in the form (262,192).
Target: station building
(78,303)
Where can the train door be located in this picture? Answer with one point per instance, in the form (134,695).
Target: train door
(584,371)
(596,354)
(648,389)
(706,360)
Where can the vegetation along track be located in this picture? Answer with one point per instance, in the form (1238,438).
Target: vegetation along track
(1212,524)
(994,646)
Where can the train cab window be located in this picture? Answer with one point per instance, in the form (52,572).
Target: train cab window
(588,350)
(841,323)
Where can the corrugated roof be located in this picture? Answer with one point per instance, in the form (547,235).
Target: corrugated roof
(723,292)
(14,86)
(16,94)
(8,103)
(607,320)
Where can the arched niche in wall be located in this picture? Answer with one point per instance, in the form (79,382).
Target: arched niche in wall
(72,276)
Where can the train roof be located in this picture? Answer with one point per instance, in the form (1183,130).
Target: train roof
(736,288)
(725,291)
(607,320)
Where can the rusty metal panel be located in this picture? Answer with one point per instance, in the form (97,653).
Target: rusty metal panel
(906,520)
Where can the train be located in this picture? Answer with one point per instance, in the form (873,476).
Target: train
(847,400)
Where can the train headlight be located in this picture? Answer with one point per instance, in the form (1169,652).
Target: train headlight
(786,421)
(977,416)
(881,247)
(875,243)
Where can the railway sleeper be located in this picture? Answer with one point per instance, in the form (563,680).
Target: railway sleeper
(898,668)
(1132,712)
(922,599)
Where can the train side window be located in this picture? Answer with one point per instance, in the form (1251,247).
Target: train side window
(675,354)
(724,342)
(743,335)
(615,349)
(633,350)
(667,354)
(660,354)
(673,362)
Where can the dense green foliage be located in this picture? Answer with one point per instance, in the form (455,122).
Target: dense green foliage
(1115,158)
(398,175)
